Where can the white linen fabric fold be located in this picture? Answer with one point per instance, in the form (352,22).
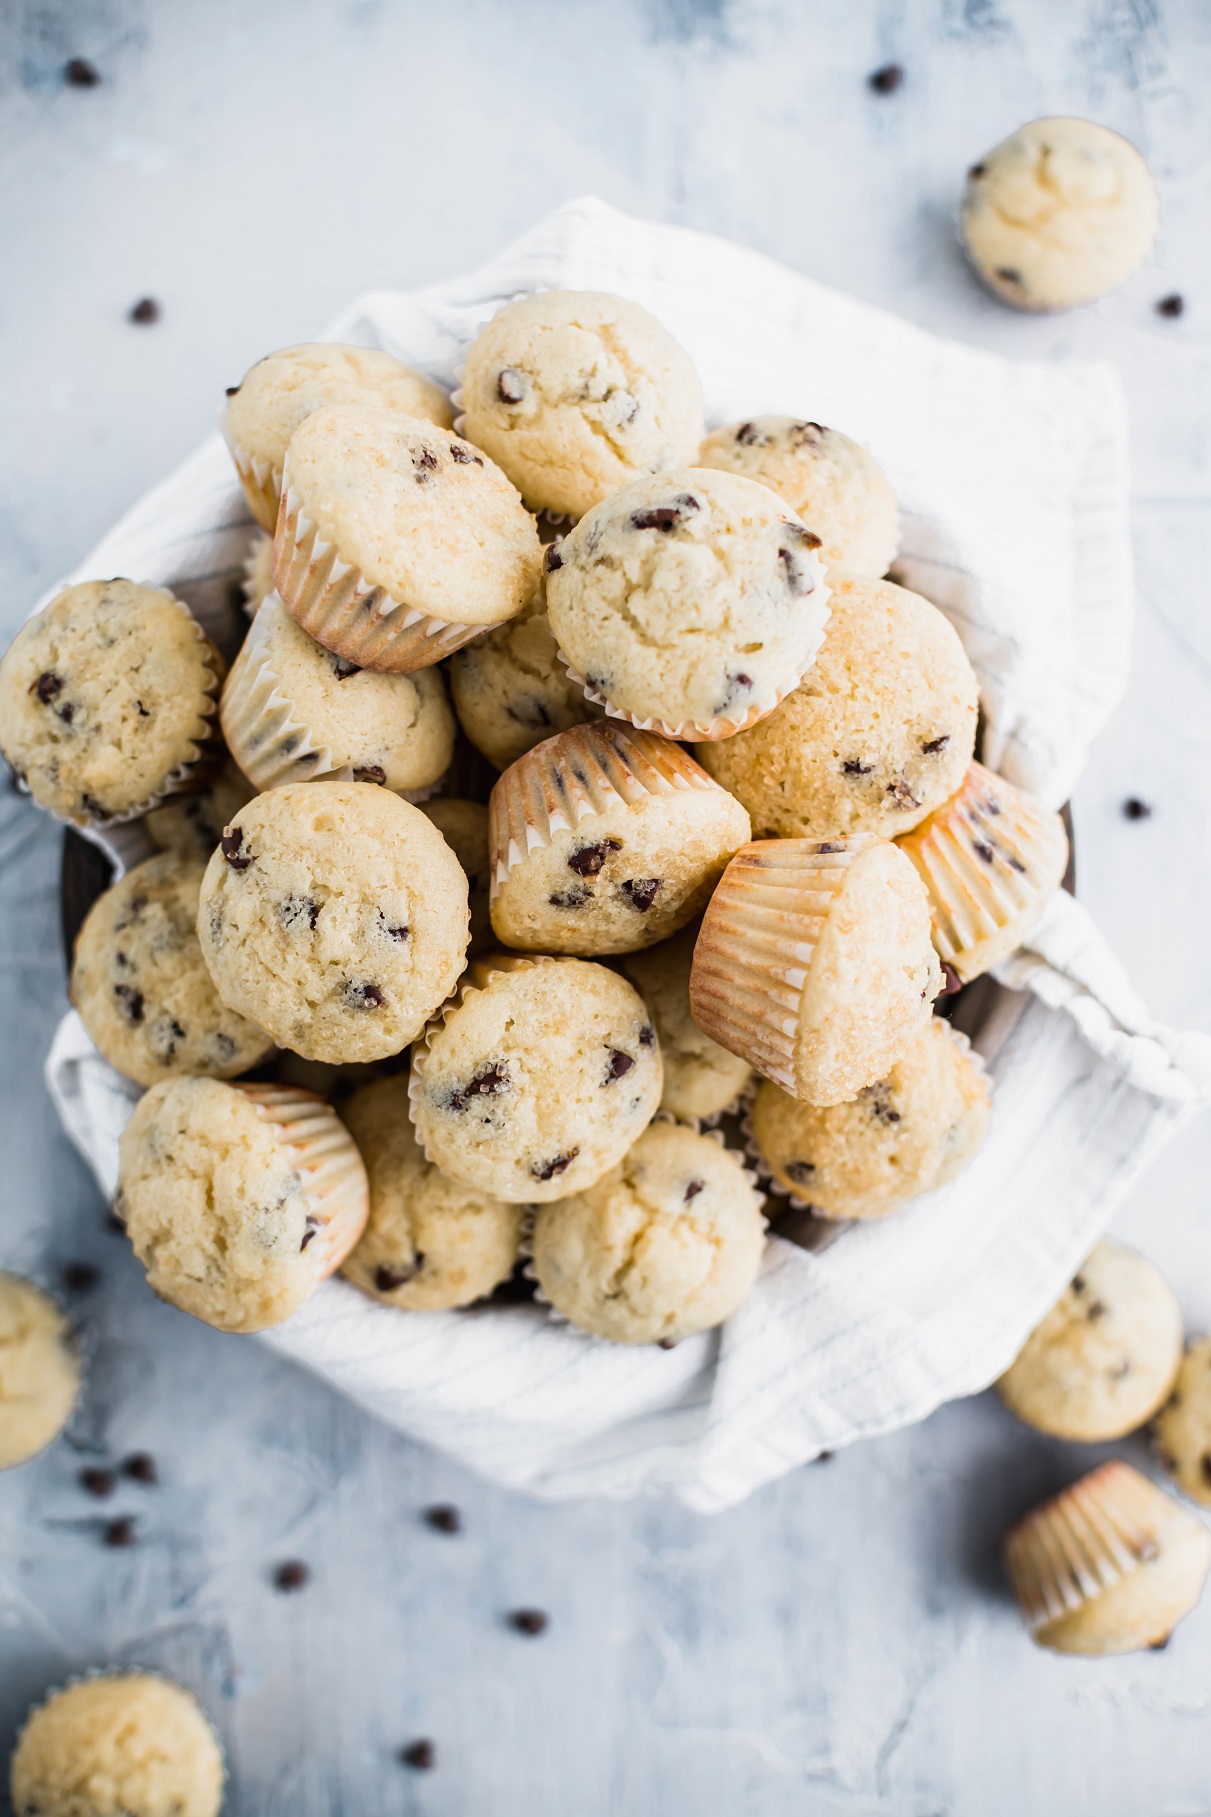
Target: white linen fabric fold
(1013,478)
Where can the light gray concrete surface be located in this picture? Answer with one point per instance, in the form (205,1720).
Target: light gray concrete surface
(842,1643)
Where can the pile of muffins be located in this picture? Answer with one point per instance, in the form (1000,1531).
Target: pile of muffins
(737,848)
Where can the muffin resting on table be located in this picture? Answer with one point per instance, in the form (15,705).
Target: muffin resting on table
(576,392)
(397,542)
(536,1079)
(1183,1427)
(1106,1355)
(274,396)
(118,1744)
(511,690)
(701,1079)
(1059,213)
(834,484)
(192,824)
(814,963)
(909,1133)
(141,984)
(40,1370)
(879,732)
(606,839)
(334,915)
(108,700)
(429,1242)
(690,603)
(464,827)
(666,1244)
(238,1199)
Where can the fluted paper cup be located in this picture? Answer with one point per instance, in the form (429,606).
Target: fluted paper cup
(325,1157)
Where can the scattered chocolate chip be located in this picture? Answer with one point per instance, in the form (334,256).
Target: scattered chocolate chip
(370,772)
(550,1170)
(976,171)
(552,559)
(400,933)
(1008,276)
(297,912)
(529,1621)
(486,1084)
(140,1467)
(78,72)
(666,517)
(464,456)
(666,1343)
(574,898)
(1158,1646)
(231,846)
(951,981)
(880,1105)
(222,1046)
(443,1517)
(232,391)
(749,436)
(98,1482)
(311,1229)
(80,1277)
(887,80)
(48,687)
(693,1189)
(358,994)
(293,1575)
(529,711)
(120,1532)
(511,385)
(642,892)
(901,792)
(1204,1464)
(933,745)
(799,579)
(853,766)
(342,668)
(387,1279)
(1095,1310)
(1135,809)
(647,1035)
(1172,306)
(426,462)
(982,850)
(130,1001)
(619,1065)
(823,1457)
(1078,1283)
(799,1171)
(587,860)
(421,1756)
(829,845)
(114,1223)
(145,312)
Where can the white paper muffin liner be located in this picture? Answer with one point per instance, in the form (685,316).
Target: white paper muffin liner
(248,584)
(261,480)
(344,611)
(327,1161)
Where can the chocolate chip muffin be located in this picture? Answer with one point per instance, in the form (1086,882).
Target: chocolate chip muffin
(141,985)
(464,827)
(605,839)
(335,916)
(690,603)
(429,1242)
(536,1079)
(108,701)
(878,734)
(511,690)
(40,1371)
(1183,1428)
(191,824)
(575,392)
(666,1244)
(701,1079)
(834,484)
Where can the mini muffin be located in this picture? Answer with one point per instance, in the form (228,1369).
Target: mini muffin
(536,1079)
(291,711)
(701,1079)
(511,690)
(574,393)
(1105,1357)
(879,733)
(141,985)
(429,1242)
(1058,214)
(39,1371)
(991,859)
(335,916)
(464,827)
(834,484)
(910,1133)
(1110,1565)
(690,603)
(1183,1430)
(814,963)
(238,1199)
(267,406)
(120,1744)
(666,1244)
(258,572)
(396,542)
(192,824)
(605,840)
(108,699)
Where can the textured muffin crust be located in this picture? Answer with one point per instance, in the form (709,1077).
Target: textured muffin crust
(537,1080)
(701,1078)
(141,985)
(39,1371)
(693,599)
(878,734)
(906,1134)
(122,1744)
(1183,1427)
(834,484)
(429,1241)
(666,1244)
(575,393)
(105,696)
(464,827)
(1059,213)
(191,824)
(335,916)
(511,690)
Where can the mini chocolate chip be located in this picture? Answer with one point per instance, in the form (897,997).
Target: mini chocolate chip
(1158,1646)
(902,793)
(387,1279)
(976,171)
(1204,1464)
(370,772)
(511,385)
(642,892)
(550,1170)
(574,898)
(809,434)
(829,845)
(343,668)
(933,745)
(120,1532)
(587,860)
(887,80)
(823,1457)
(1007,275)
(1015,864)
(529,712)
(232,391)
(619,1065)
(99,1482)
(1095,1310)
(231,846)
(647,1035)
(78,72)
(529,1621)
(749,436)
(853,766)
(400,933)
(360,995)
(487,1082)
(1172,306)
(223,1045)
(1078,1283)
(293,1575)
(552,560)
(464,456)
(114,1223)
(799,1171)
(426,463)
(420,1755)
(130,1001)
(443,1517)
(795,538)
(297,911)
(693,1189)
(80,1277)
(48,687)
(982,850)
(140,1467)
(66,712)
(145,312)
(666,1343)
(311,1229)
(951,981)
(1135,809)
(666,517)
